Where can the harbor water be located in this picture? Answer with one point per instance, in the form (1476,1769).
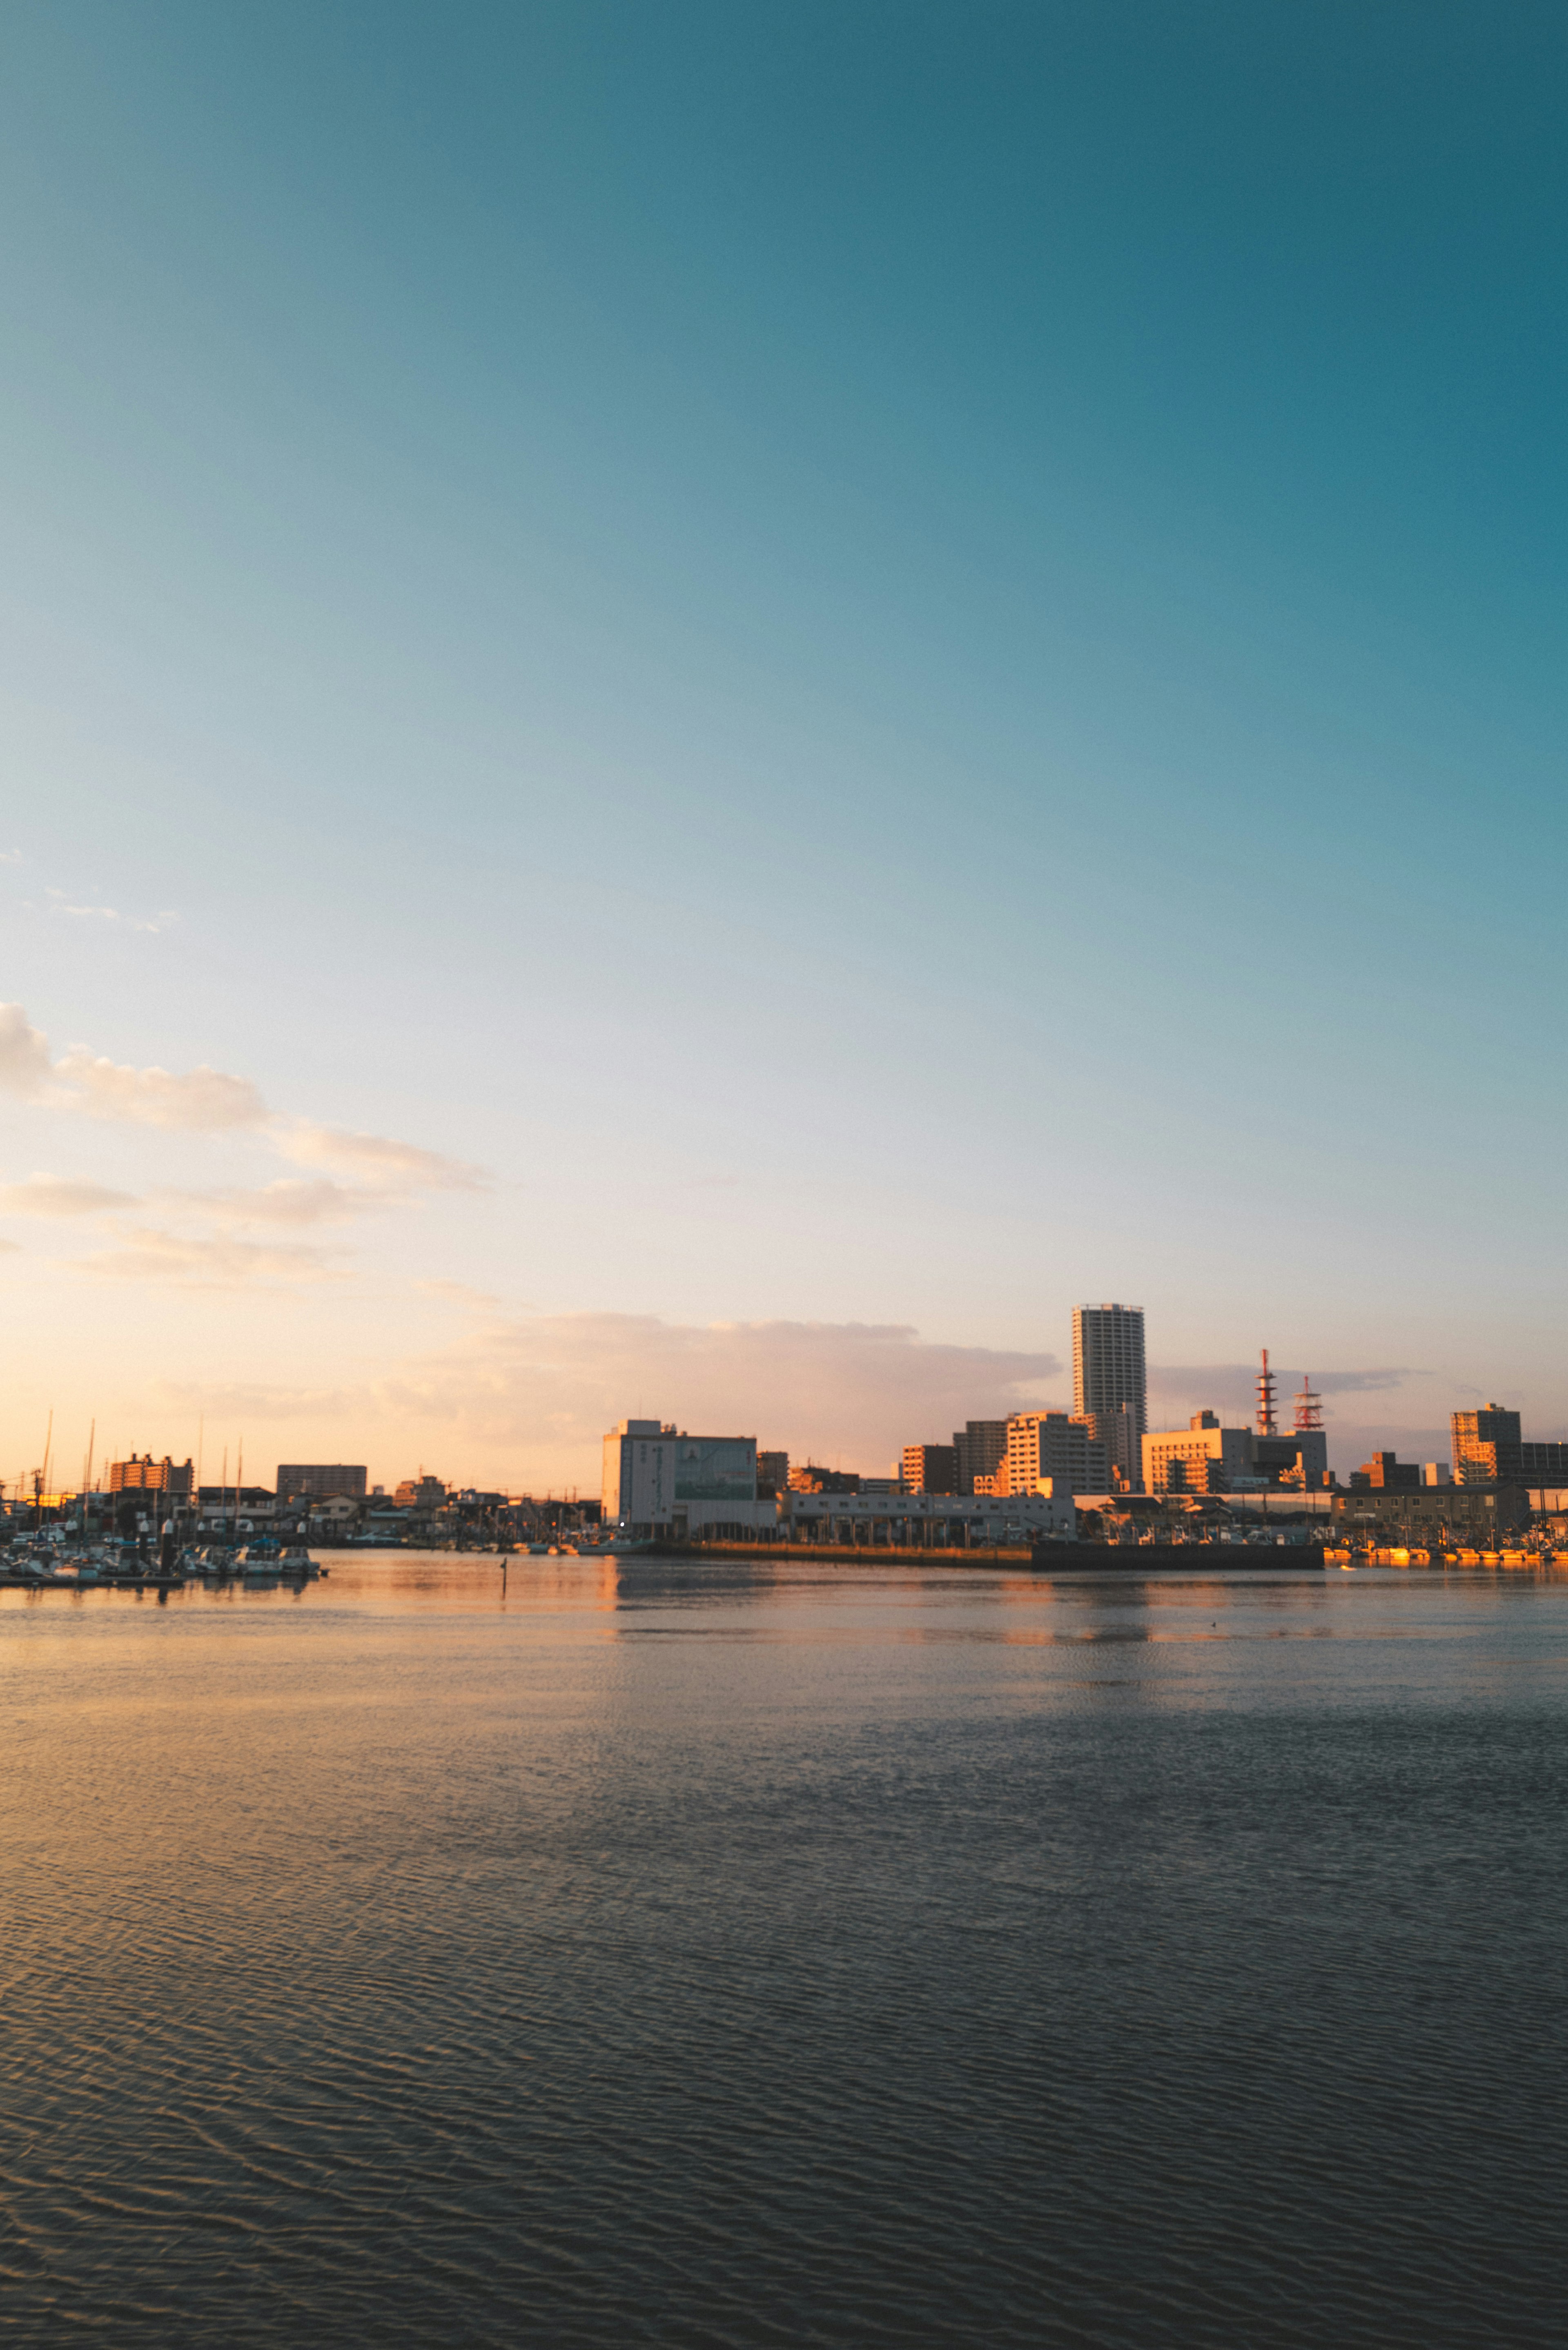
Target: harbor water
(617,1952)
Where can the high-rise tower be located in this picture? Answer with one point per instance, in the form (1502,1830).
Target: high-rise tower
(1110,1382)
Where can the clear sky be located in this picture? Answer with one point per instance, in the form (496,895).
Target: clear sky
(705,707)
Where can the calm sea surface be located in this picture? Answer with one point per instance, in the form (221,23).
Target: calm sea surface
(698,1954)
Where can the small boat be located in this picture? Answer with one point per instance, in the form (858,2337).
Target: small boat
(297,1562)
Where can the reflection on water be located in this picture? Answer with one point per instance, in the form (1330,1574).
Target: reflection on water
(598,1951)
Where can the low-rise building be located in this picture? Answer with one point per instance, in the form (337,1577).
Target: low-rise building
(938,1521)
(1463,1516)
(1385,1472)
(1202,1458)
(660,1479)
(145,1475)
(319,1480)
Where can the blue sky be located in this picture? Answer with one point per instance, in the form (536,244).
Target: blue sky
(900,665)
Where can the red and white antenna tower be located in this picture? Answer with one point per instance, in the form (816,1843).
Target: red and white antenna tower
(1267,1424)
(1309,1405)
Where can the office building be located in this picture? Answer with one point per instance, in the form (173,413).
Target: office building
(930,1469)
(659,1479)
(981,1446)
(318,1481)
(149,1476)
(1110,1382)
(1202,1458)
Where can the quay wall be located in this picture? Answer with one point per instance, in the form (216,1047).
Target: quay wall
(1048,1558)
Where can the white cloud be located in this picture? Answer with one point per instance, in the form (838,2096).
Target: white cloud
(23,1053)
(12,856)
(556,1383)
(202,1099)
(58,1195)
(147,1253)
(393,1166)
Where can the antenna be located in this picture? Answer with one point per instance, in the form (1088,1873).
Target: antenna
(1309,1405)
(1267,1424)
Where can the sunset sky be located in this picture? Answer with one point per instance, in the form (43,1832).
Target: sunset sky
(706,707)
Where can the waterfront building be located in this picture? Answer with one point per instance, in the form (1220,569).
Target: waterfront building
(420,1492)
(981,1446)
(1465,1516)
(1202,1458)
(939,1521)
(318,1481)
(660,1479)
(1110,1382)
(930,1469)
(149,1476)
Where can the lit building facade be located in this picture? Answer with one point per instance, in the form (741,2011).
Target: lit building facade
(149,1476)
(1110,1382)
(659,1478)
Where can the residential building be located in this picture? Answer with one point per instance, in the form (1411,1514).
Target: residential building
(930,1469)
(420,1492)
(810,1476)
(319,1481)
(1202,1458)
(1053,1449)
(661,1479)
(1436,1472)
(149,1476)
(980,1447)
(772,1474)
(1110,1382)
(1488,1448)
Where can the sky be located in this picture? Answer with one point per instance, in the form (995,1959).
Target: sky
(704,708)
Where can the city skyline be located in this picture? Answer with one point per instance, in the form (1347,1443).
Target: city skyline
(578,584)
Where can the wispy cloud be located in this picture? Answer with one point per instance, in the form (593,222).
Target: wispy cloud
(375,1159)
(58,1195)
(291,1199)
(59,903)
(12,856)
(242,1401)
(458,1293)
(150,1253)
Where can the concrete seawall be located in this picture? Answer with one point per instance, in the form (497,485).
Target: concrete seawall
(1050,1558)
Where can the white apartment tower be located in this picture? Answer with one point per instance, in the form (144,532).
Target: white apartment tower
(1110,1382)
